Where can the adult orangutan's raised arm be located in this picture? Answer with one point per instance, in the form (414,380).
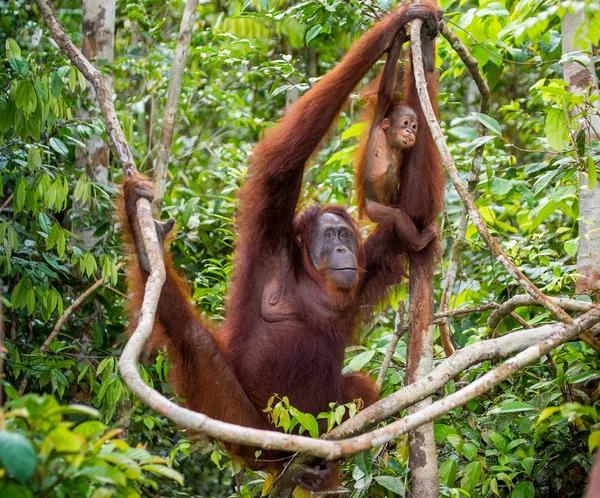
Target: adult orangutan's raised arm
(269,197)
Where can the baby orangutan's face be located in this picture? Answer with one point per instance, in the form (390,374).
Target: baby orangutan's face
(401,128)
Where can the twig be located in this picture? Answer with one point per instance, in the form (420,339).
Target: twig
(398,333)
(7,201)
(473,178)
(524,300)
(465,311)
(61,321)
(469,203)
(174,92)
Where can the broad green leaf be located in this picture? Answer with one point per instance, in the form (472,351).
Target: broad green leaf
(528,464)
(441,432)
(313,33)
(12,48)
(593,441)
(500,187)
(393,484)
(448,473)
(592,173)
(469,451)
(571,247)
(64,441)
(354,131)
(360,360)
(478,142)
(58,145)
(165,471)
(489,122)
(34,158)
(78,409)
(557,131)
(523,490)
(471,476)
(547,413)
(17,455)
(513,407)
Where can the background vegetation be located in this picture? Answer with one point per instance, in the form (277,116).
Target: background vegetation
(534,433)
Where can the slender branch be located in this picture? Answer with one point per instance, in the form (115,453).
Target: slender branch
(473,65)
(469,203)
(520,300)
(173,94)
(61,321)
(389,353)
(465,311)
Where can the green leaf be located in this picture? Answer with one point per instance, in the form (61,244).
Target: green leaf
(77,409)
(556,129)
(20,194)
(64,441)
(56,85)
(58,145)
(523,490)
(17,455)
(313,32)
(592,173)
(360,360)
(34,158)
(165,471)
(392,484)
(513,407)
(354,131)
(571,247)
(469,451)
(593,441)
(12,48)
(106,475)
(471,476)
(498,441)
(448,473)
(478,142)
(500,187)
(72,78)
(442,431)
(489,122)
(528,463)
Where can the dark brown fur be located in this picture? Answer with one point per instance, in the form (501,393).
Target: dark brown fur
(298,350)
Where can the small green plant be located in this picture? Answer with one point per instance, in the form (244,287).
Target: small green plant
(284,416)
(43,455)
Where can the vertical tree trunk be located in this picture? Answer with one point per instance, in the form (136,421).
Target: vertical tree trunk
(579,78)
(97,44)
(423,457)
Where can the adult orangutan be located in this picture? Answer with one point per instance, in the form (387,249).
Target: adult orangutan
(298,282)
(399,178)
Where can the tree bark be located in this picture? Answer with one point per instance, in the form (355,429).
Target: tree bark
(97,45)
(424,480)
(579,78)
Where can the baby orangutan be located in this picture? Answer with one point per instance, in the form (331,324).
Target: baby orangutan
(389,164)
(396,133)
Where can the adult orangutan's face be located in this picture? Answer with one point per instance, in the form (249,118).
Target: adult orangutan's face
(334,250)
